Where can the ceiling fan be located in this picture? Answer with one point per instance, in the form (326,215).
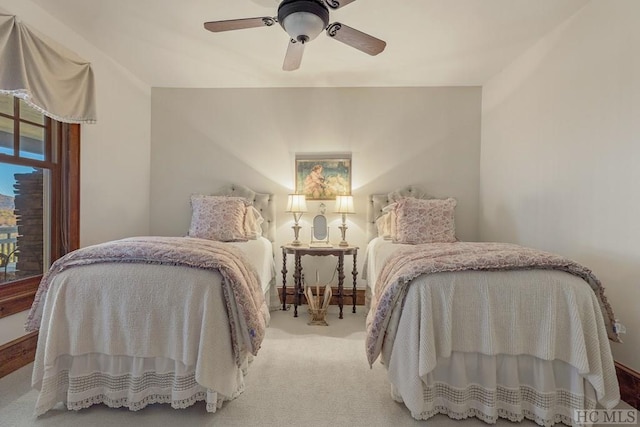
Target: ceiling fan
(304,20)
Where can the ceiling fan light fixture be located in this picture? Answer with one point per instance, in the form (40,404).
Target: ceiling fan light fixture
(303,20)
(303,26)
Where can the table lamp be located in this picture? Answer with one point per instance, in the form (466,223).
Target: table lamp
(297,205)
(344,206)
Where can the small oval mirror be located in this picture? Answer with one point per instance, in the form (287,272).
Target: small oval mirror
(319,227)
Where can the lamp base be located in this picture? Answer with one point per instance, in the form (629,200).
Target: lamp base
(296,233)
(343,231)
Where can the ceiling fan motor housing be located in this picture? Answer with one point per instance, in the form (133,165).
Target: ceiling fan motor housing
(303,20)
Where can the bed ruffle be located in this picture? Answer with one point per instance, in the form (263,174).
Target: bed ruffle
(129,382)
(491,387)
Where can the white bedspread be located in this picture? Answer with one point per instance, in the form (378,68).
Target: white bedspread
(552,316)
(135,334)
(260,252)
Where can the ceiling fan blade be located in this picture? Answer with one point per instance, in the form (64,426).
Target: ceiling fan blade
(337,4)
(293,58)
(354,38)
(239,24)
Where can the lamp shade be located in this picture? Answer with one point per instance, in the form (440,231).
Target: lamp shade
(344,204)
(296,203)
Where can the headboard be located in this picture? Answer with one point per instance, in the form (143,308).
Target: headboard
(263,202)
(378,201)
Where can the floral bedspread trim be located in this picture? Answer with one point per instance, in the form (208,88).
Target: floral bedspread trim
(237,272)
(409,263)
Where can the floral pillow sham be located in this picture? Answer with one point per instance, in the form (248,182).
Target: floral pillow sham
(416,221)
(224,218)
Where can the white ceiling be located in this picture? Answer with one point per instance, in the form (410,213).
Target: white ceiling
(429,42)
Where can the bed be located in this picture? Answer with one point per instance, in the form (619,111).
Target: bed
(484,330)
(153,319)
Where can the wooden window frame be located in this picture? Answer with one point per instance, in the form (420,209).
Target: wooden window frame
(18,295)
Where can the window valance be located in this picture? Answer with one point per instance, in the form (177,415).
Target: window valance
(46,76)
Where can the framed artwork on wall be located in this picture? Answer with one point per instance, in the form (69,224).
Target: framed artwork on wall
(323,177)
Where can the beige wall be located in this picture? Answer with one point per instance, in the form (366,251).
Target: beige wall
(560,150)
(115,151)
(205,138)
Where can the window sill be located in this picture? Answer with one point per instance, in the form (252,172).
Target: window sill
(18,296)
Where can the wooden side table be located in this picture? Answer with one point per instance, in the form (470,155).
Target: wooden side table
(298,252)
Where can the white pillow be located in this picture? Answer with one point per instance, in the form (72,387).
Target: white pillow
(390,209)
(252,223)
(381,225)
(220,218)
(384,224)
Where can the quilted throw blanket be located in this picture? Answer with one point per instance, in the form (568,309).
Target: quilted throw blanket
(407,264)
(240,281)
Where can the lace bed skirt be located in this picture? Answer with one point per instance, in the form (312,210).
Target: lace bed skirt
(123,381)
(491,387)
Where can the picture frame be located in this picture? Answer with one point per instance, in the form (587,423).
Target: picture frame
(323,177)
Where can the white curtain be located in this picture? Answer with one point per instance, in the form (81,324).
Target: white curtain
(46,76)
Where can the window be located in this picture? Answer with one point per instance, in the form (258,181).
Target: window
(39,198)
